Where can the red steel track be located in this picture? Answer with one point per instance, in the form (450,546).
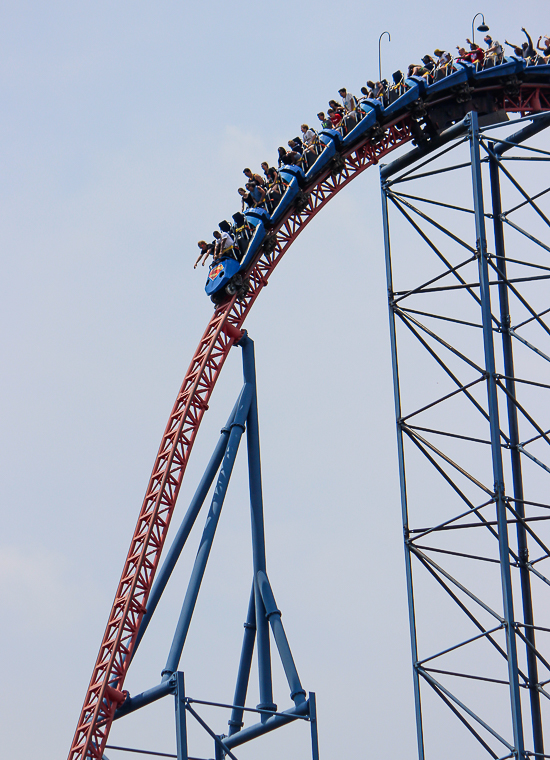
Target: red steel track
(105,690)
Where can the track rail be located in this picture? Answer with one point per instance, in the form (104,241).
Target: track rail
(105,693)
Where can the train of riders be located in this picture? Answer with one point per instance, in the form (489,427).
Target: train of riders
(266,191)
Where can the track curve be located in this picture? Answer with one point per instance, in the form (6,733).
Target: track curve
(222,332)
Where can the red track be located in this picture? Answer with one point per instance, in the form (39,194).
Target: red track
(105,690)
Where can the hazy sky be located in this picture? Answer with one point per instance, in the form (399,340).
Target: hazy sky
(124,130)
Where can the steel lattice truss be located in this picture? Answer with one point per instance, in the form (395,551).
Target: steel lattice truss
(105,691)
(468,264)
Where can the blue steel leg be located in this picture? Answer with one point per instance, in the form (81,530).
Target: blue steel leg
(181,725)
(258,536)
(237,429)
(131,704)
(494,424)
(313,723)
(517,477)
(236,720)
(185,528)
(265,726)
(297,694)
(402,479)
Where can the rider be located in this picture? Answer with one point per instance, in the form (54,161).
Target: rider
(251,177)
(224,243)
(205,251)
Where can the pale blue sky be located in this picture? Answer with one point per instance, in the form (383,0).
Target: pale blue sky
(124,129)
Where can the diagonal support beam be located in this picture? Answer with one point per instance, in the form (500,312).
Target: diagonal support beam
(236,720)
(237,429)
(186,526)
(273,614)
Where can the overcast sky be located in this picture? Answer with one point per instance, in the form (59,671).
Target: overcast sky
(124,130)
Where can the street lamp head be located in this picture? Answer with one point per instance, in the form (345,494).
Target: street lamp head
(481,28)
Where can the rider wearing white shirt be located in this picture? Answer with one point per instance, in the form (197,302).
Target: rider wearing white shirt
(308,135)
(495,51)
(226,241)
(348,100)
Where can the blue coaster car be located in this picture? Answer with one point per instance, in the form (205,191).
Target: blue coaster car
(456,79)
(295,179)
(331,135)
(416,90)
(221,272)
(260,220)
(371,104)
(372,110)
(226,276)
(332,140)
(541,71)
(420,82)
(258,217)
(510,67)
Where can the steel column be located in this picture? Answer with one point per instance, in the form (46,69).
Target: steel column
(236,720)
(258,535)
(517,477)
(181,725)
(402,477)
(313,723)
(494,425)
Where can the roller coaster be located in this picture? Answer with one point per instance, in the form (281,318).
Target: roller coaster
(462,111)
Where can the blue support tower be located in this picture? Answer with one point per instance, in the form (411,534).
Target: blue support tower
(262,614)
(467,431)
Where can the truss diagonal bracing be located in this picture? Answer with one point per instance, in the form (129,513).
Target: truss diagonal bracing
(468,267)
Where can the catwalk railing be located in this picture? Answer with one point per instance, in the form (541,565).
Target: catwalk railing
(468,269)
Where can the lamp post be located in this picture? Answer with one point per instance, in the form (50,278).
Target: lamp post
(379,55)
(481,28)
